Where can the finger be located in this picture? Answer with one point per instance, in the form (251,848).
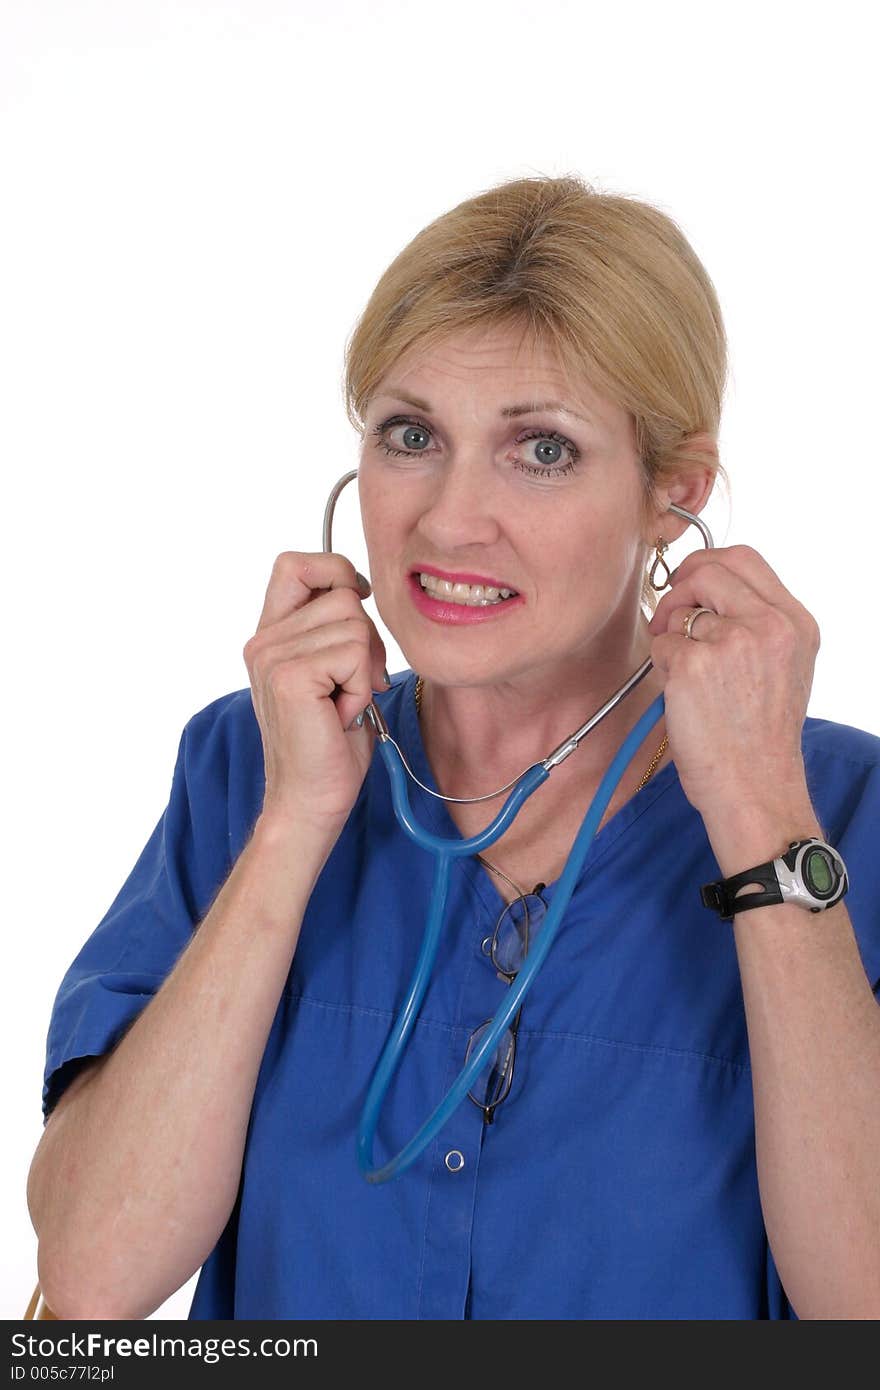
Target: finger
(743,560)
(334,660)
(671,646)
(297,575)
(706,627)
(712,586)
(329,608)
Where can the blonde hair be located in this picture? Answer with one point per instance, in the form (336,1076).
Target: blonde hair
(606,282)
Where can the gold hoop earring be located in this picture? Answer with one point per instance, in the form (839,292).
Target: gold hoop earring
(659,551)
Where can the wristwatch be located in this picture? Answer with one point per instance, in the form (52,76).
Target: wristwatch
(810,873)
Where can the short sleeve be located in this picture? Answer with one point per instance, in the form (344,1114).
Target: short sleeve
(152,919)
(851,825)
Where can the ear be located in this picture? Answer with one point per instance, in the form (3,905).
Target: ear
(690,487)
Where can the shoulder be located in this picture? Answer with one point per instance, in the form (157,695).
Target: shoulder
(843,777)
(219,776)
(824,740)
(224,731)
(842,765)
(229,716)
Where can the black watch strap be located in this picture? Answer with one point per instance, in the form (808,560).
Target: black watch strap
(720,895)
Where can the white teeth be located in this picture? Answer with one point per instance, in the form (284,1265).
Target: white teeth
(470,595)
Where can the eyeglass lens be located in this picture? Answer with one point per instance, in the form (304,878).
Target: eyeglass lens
(493,1082)
(517,928)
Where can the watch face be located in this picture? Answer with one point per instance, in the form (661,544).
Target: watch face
(819,871)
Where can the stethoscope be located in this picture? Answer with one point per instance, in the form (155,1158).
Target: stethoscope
(446,850)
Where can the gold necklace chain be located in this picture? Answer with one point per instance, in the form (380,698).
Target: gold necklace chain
(653,763)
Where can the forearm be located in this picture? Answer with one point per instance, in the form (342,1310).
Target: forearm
(133,1185)
(814,1041)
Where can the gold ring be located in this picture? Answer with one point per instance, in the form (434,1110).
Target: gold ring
(691,619)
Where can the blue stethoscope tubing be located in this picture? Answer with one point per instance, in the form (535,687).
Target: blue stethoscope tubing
(446,850)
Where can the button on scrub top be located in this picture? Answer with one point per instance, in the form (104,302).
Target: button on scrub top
(618,1179)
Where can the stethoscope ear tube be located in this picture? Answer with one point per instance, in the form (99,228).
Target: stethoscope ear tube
(330,508)
(695,521)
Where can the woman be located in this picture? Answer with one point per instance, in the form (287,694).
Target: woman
(688,1124)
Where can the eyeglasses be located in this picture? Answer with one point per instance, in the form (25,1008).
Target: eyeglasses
(514,932)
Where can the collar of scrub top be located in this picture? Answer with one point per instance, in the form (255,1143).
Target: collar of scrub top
(446,850)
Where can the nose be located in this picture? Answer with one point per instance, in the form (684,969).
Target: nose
(460,510)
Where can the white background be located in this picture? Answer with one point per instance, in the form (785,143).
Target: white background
(197,200)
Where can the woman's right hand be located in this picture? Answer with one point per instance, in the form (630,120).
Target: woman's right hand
(313,635)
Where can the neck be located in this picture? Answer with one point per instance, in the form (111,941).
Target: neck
(480,737)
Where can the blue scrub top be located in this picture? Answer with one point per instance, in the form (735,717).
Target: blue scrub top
(618,1179)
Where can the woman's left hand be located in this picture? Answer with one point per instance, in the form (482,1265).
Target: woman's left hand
(736,692)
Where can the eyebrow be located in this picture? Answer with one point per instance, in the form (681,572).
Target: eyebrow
(531,408)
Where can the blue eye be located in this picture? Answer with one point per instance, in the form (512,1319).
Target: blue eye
(412,430)
(559,441)
(415,430)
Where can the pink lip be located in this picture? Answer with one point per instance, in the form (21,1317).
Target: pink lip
(457,614)
(461,578)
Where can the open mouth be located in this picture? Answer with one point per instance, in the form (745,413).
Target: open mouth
(468,595)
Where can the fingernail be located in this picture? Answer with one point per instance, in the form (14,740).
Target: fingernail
(386,676)
(363,581)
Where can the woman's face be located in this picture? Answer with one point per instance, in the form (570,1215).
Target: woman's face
(547,502)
